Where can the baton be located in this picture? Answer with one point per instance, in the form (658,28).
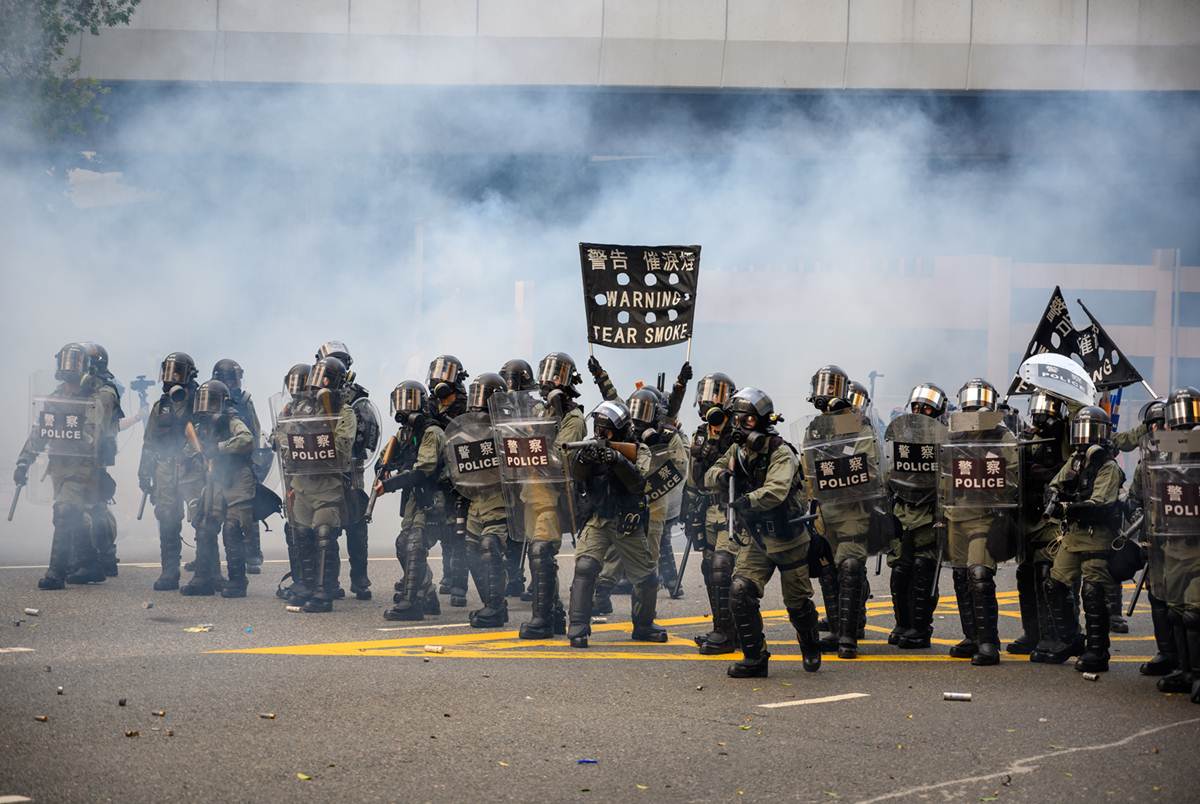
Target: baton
(142,507)
(12,509)
(1137,593)
(730,516)
(687,551)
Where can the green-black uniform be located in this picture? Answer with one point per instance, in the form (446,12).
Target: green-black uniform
(226,504)
(546,513)
(1043,453)
(848,528)
(243,408)
(614,491)
(1089,486)
(707,524)
(422,477)
(76,479)
(102,522)
(768,483)
(317,510)
(173,474)
(487,536)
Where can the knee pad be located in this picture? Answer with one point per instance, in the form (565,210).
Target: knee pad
(742,592)
(981,574)
(1054,587)
(722,567)
(67,515)
(327,533)
(851,566)
(587,567)
(489,546)
(541,552)
(923,563)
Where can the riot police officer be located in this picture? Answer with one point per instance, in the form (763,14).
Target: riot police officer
(1044,449)
(704,514)
(982,495)
(487,525)
(71,425)
(230,373)
(612,472)
(416,466)
(1085,495)
(766,477)
(447,387)
(295,387)
(518,375)
(226,505)
(557,380)
(171,471)
(103,523)
(366,440)
(1175,554)
(913,439)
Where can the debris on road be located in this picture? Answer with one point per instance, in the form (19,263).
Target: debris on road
(267,715)
(41,718)
(956,696)
(133,733)
(202,628)
(249,629)
(147,605)
(1091,676)
(435,649)
(293,609)
(599,620)
(59,691)
(304,777)
(33,612)
(121,702)
(159,713)
(587,762)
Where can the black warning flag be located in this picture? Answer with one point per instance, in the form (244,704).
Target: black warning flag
(639,297)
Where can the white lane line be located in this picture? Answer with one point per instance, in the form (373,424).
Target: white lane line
(425,627)
(1025,765)
(847,696)
(15,650)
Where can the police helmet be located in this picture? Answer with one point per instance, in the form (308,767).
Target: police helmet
(977,394)
(229,372)
(212,398)
(1091,425)
(1183,409)
(927,394)
(482,388)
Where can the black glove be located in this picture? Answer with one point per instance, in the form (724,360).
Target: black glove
(723,479)
(402,480)
(701,451)
(685,373)
(742,504)
(594,367)
(145,483)
(21,474)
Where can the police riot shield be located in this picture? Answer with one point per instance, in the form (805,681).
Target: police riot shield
(471,456)
(307,446)
(533,475)
(1173,514)
(841,462)
(61,425)
(979,485)
(664,484)
(911,456)
(367,433)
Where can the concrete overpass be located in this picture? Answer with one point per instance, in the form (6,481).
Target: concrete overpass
(778,44)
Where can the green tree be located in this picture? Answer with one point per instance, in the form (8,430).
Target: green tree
(39,83)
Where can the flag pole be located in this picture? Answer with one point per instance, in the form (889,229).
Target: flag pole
(1146,385)
(688,357)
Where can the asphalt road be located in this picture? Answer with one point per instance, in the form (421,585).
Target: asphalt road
(369,714)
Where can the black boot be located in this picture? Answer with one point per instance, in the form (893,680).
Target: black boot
(643,605)
(804,620)
(921,593)
(104,536)
(623,587)
(902,608)
(1193,640)
(459,569)
(1116,619)
(204,580)
(830,596)
(583,587)
(1180,679)
(411,601)
(488,568)
(602,602)
(1027,601)
(87,558)
(356,554)
(852,577)
(1166,659)
(253,549)
(1095,615)
(234,538)
(293,573)
(328,565)
(1065,641)
(987,616)
(721,639)
(170,545)
(544,581)
(966,648)
(304,579)
(65,519)
(514,565)
(668,572)
(747,618)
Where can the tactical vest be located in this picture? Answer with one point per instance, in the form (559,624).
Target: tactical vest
(1080,482)
(166,431)
(1042,461)
(774,524)
(224,465)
